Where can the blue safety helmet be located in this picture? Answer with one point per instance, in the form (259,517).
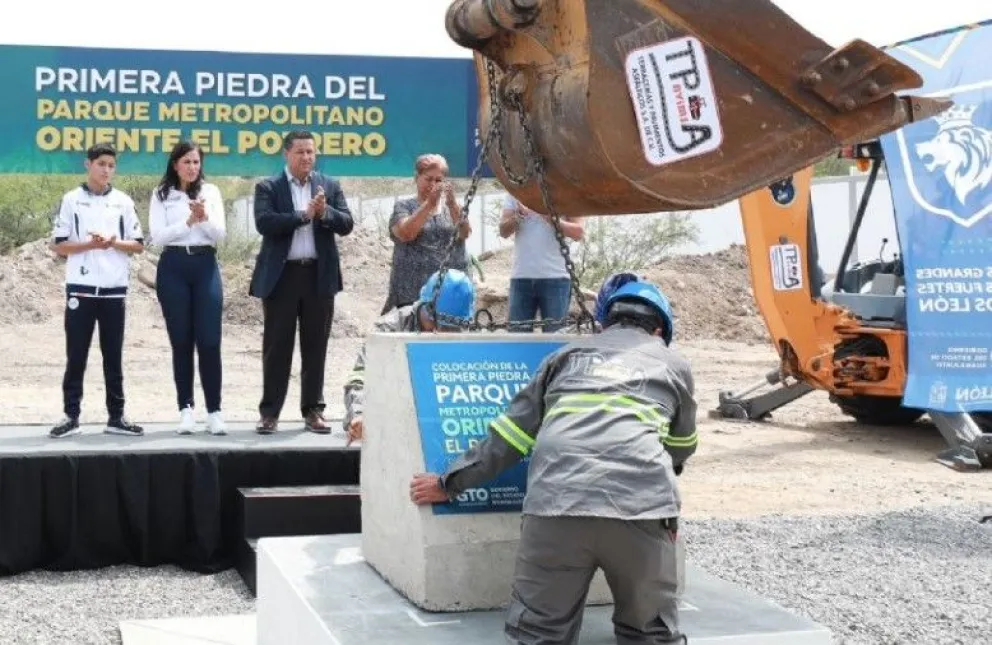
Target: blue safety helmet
(645,298)
(610,285)
(457,296)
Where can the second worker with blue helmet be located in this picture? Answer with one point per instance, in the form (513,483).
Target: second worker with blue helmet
(455,309)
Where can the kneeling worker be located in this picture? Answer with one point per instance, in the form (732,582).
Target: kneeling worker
(605,420)
(456,301)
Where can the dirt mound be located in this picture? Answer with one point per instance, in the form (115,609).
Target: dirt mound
(32,280)
(712,296)
(365,261)
(494,285)
(711,293)
(25,293)
(32,283)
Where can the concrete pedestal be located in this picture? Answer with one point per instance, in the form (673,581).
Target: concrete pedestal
(439,562)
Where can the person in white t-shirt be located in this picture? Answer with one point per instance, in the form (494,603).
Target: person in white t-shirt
(97,231)
(186,219)
(539,281)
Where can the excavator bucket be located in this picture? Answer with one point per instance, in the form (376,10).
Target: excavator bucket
(639,106)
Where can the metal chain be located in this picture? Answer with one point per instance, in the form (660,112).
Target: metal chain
(535,166)
(538,161)
(491,134)
(496,124)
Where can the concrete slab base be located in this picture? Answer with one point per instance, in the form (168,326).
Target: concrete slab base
(320,591)
(213,630)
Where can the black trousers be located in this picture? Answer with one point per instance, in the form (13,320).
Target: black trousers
(295,301)
(82,314)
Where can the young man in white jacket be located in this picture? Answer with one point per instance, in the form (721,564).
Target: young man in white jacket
(97,230)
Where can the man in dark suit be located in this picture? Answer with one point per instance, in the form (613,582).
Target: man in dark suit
(297,275)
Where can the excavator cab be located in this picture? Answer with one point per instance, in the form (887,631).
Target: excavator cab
(643,106)
(873,290)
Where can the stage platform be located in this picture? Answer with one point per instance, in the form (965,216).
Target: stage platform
(93,499)
(33,440)
(320,591)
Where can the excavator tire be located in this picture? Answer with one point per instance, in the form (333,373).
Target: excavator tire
(877,410)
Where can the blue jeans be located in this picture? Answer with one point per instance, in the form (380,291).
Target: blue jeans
(191,295)
(528,296)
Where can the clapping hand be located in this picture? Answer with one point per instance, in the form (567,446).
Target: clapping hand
(434,197)
(197,212)
(98,241)
(449,196)
(318,204)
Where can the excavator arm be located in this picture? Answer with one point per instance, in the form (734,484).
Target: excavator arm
(614,107)
(642,106)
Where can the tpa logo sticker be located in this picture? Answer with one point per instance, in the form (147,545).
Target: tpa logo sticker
(674,100)
(949,164)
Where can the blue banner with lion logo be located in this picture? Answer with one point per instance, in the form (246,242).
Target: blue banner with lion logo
(940,173)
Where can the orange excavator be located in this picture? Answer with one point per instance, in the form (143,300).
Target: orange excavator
(618,107)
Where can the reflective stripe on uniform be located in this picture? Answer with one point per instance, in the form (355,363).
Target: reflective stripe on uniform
(511,432)
(682,442)
(616,403)
(356,376)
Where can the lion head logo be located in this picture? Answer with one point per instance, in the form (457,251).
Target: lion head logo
(962,150)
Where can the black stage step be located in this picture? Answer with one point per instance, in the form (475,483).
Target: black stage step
(281,511)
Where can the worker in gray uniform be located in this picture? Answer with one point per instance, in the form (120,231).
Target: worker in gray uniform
(455,304)
(605,421)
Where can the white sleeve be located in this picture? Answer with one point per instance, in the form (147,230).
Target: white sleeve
(215,227)
(132,225)
(161,232)
(62,227)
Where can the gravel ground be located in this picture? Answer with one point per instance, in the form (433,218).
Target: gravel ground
(86,607)
(921,577)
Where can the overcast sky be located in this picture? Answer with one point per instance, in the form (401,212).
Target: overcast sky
(413,28)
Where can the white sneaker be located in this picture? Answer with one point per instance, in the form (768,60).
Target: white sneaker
(186,421)
(215,423)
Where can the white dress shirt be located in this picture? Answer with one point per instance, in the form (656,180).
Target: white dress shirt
(303,246)
(167,219)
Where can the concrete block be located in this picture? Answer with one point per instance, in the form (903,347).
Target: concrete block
(439,562)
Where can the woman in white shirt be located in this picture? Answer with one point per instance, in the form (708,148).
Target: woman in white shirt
(186,219)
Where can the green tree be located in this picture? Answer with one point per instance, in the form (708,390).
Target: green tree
(629,243)
(28,205)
